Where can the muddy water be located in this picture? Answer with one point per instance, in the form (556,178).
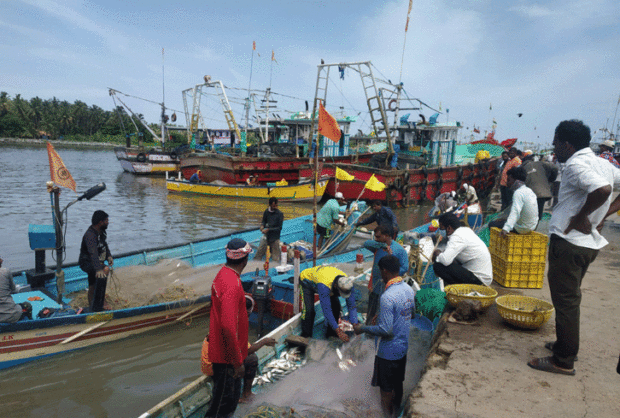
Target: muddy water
(123,378)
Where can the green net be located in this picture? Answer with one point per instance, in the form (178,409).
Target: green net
(430,302)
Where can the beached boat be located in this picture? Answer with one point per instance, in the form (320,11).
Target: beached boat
(302,191)
(29,340)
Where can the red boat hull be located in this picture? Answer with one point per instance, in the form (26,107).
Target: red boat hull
(406,186)
(235,170)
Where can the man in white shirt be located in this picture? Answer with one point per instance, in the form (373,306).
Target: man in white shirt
(523,216)
(466,258)
(584,202)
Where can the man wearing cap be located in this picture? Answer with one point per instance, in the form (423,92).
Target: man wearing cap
(228,330)
(397,307)
(382,245)
(382,216)
(330,283)
(606,152)
(271,227)
(329,214)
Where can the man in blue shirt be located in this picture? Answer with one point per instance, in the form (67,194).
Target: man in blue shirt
(382,245)
(397,306)
(195,178)
(382,216)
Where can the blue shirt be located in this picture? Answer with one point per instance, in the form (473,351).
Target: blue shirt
(379,249)
(394,322)
(385,216)
(327,214)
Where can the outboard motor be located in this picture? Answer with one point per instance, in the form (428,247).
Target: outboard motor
(262,292)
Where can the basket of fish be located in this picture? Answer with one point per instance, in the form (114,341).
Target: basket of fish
(524,311)
(458,292)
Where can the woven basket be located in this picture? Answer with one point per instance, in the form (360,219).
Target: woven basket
(524,311)
(458,292)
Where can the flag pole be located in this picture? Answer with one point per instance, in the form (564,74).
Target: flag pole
(247,101)
(316,176)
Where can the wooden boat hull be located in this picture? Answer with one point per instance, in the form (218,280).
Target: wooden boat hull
(234,170)
(28,340)
(407,186)
(297,192)
(136,161)
(31,340)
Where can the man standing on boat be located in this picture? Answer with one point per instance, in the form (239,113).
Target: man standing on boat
(328,215)
(466,258)
(228,330)
(271,227)
(393,326)
(93,254)
(382,216)
(382,245)
(330,283)
(585,201)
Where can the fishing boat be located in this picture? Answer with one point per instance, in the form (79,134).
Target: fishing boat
(68,330)
(138,159)
(283,144)
(300,192)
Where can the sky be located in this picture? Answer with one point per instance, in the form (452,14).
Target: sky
(482,60)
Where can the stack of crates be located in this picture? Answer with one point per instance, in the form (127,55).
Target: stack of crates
(518,260)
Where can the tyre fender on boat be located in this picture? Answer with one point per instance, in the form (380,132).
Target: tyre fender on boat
(406,178)
(406,195)
(398,183)
(174,155)
(141,157)
(439,185)
(459,174)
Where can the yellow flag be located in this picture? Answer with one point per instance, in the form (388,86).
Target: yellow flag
(343,175)
(59,173)
(374,184)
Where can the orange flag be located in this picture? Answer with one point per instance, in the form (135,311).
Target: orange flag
(59,173)
(328,127)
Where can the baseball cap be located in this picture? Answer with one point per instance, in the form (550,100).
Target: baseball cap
(527,152)
(609,143)
(345,286)
(339,195)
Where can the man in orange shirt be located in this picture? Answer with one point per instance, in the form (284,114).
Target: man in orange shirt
(514,161)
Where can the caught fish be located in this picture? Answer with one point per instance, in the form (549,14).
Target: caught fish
(474,293)
(339,353)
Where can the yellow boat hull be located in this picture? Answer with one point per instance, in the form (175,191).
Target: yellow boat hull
(297,192)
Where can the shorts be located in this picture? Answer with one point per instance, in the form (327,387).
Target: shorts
(388,372)
(322,231)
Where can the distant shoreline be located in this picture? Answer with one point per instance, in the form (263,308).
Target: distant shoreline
(29,141)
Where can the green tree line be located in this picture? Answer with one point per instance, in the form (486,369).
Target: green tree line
(59,119)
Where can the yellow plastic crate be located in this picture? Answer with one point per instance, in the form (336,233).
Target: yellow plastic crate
(518,274)
(530,247)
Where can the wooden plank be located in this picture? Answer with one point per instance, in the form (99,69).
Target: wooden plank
(83,332)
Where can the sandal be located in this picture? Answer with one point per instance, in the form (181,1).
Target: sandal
(546,364)
(549,346)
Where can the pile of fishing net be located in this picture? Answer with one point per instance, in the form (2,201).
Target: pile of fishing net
(430,302)
(350,408)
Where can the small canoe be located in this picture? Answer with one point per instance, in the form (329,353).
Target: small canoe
(303,191)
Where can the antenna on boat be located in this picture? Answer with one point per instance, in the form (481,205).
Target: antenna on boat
(243,141)
(402,60)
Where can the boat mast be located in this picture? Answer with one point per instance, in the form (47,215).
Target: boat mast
(163,101)
(247,101)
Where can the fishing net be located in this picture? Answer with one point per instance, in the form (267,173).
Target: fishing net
(430,302)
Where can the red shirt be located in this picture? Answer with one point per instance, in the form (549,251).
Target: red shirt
(228,324)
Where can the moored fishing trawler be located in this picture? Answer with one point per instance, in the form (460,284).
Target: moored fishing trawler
(138,159)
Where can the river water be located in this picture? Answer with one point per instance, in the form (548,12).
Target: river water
(123,378)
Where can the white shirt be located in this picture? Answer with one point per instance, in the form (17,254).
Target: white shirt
(583,173)
(523,216)
(470,251)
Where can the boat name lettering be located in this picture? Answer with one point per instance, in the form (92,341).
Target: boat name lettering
(157,157)
(7,337)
